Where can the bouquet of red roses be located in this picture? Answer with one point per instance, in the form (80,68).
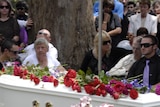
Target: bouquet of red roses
(100,85)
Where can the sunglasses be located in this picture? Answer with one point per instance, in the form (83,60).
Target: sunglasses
(15,52)
(42,33)
(146,45)
(2,7)
(106,42)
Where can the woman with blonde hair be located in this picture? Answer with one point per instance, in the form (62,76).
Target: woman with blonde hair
(90,60)
(105,40)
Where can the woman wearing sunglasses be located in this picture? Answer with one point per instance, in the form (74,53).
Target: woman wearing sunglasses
(8,24)
(90,60)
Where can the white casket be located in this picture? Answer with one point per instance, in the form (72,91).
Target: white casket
(15,92)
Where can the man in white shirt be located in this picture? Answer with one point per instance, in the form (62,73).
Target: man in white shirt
(124,64)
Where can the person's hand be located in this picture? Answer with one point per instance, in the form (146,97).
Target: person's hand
(106,17)
(158,17)
(104,25)
(16,38)
(130,37)
(29,23)
(22,45)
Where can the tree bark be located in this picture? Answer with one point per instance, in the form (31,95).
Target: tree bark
(71,25)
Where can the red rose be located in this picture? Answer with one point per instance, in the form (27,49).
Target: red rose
(104,93)
(51,79)
(78,88)
(95,82)
(89,89)
(119,87)
(71,73)
(36,80)
(133,93)
(32,77)
(116,95)
(55,82)
(68,82)
(98,92)
(25,72)
(3,69)
(74,86)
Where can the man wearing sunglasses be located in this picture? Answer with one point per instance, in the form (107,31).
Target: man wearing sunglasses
(149,46)
(9,51)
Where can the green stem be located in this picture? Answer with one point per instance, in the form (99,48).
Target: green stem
(131,78)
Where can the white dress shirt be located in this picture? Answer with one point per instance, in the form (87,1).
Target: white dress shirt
(53,63)
(122,67)
(30,50)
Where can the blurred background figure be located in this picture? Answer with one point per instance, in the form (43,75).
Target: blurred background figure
(118,8)
(9,27)
(143,19)
(111,22)
(21,10)
(156,8)
(24,21)
(131,8)
(9,53)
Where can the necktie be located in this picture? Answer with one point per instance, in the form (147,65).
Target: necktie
(146,74)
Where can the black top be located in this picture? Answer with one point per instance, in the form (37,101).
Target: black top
(108,62)
(9,28)
(154,69)
(158,33)
(22,17)
(1,66)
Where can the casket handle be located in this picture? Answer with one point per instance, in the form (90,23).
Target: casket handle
(35,103)
(48,104)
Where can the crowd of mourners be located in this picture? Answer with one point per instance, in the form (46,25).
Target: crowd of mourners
(130,40)
(15,50)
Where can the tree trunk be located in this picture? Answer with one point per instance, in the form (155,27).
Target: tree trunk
(70,23)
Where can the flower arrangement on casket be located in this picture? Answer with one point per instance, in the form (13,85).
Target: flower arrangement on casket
(99,85)
(34,73)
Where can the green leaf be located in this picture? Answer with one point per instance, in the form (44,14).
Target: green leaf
(89,71)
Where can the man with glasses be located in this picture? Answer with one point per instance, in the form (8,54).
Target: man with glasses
(21,10)
(149,44)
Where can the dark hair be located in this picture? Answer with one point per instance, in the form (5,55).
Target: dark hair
(148,2)
(154,3)
(9,5)
(5,44)
(142,31)
(22,4)
(153,38)
(108,3)
(131,3)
